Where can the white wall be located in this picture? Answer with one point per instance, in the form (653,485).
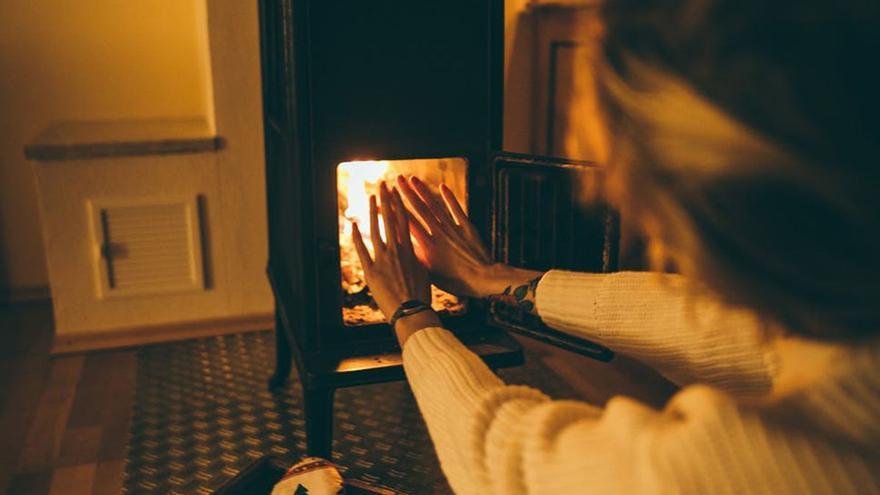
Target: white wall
(122,60)
(101,59)
(235,61)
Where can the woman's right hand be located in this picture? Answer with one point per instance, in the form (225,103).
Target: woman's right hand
(450,246)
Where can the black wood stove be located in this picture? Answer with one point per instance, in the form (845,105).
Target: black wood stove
(354,91)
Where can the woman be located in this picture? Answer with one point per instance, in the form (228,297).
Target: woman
(742,136)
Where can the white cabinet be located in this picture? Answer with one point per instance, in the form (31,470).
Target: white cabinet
(136,246)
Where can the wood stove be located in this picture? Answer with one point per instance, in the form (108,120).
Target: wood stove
(354,91)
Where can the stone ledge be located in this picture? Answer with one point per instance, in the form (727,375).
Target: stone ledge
(77,140)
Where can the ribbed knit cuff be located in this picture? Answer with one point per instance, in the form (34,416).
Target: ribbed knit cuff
(564,296)
(437,351)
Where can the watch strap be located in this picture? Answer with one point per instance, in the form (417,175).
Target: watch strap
(408,308)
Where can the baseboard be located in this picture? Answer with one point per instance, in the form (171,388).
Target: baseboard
(151,334)
(11,295)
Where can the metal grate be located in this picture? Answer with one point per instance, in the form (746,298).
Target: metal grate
(551,214)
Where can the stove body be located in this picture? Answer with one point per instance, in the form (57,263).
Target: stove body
(349,81)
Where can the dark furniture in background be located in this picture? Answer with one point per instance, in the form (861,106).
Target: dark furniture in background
(348,80)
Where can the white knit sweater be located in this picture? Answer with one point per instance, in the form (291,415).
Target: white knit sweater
(819,434)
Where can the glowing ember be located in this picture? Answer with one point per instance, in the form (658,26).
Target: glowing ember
(356,182)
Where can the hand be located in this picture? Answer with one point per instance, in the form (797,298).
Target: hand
(395,275)
(449,245)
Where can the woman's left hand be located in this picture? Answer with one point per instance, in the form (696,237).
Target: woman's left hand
(394,274)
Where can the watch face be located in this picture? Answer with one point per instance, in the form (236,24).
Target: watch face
(412,304)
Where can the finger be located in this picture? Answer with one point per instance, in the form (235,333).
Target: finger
(402,222)
(374,226)
(360,247)
(418,230)
(388,217)
(453,205)
(419,207)
(458,212)
(436,206)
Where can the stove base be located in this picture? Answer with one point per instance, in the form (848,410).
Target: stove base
(321,374)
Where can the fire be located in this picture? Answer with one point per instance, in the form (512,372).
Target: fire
(355,182)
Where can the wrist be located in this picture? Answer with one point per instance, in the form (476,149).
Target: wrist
(498,276)
(393,303)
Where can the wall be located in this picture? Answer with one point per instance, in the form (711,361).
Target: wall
(117,60)
(102,59)
(235,62)
(518,76)
(566,31)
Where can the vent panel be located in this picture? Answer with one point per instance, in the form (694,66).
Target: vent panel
(146,247)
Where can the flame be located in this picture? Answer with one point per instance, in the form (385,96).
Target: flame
(356,182)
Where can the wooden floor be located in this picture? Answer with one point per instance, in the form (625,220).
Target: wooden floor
(64,421)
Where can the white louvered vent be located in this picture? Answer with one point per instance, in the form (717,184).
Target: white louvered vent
(146,247)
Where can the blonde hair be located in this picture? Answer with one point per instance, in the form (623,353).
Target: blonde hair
(750,218)
(691,142)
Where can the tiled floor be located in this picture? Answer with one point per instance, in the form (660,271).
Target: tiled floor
(202,412)
(64,422)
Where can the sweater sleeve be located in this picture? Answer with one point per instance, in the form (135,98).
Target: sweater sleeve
(656,318)
(493,438)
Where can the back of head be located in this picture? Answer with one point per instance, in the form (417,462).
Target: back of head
(744,136)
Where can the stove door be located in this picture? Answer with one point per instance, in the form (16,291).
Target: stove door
(551,213)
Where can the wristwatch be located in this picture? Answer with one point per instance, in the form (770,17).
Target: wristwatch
(408,308)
